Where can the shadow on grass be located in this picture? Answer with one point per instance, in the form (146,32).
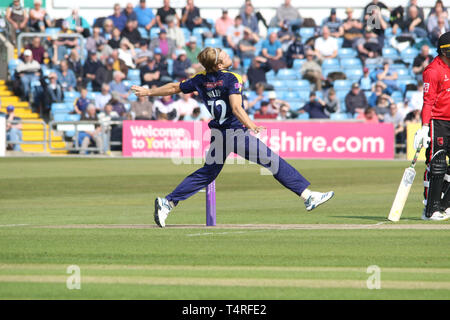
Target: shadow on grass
(363,218)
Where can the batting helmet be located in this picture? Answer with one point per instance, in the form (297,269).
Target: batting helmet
(444,44)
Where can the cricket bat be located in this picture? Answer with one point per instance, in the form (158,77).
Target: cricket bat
(403,189)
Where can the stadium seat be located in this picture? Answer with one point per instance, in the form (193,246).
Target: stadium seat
(61,108)
(397,96)
(368,94)
(280,85)
(351,63)
(330,63)
(345,53)
(59,117)
(410,93)
(403,74)
(186,33)
(306,33)
(134,74)
(213,42)
(390,53)
(303,95)
(409,53)
(303,116)
(340,94)
(52,31)
(328,70)
(298,85)
(340,42)
(295,106)
(298,63)
(70,96)
(273,29)
(169,68)
(287,74)
(270,75)
(353,74)
(291,95)
(91,95)
(338,116)
(403,83)
(342,85)
(199,31)
(154,32)
(72,117)
(144,33)
(12,65)
(230,52)
(246,62)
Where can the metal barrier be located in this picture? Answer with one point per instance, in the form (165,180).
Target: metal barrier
(44,35)
(41,122)
(84,126)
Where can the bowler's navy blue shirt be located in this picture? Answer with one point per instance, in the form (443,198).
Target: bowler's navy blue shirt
(215,89)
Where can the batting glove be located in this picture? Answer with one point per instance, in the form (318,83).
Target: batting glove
(422,137)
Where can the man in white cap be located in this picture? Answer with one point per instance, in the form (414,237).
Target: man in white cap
(192,50)
(28,71)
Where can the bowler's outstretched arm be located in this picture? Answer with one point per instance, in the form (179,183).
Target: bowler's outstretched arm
(166,90)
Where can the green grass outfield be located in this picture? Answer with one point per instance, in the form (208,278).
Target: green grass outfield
(98,214)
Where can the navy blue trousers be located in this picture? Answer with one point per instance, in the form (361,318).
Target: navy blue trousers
(241,142)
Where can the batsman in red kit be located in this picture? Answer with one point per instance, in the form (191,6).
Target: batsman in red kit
(435,133)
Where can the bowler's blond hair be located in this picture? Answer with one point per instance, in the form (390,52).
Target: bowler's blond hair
(209,58)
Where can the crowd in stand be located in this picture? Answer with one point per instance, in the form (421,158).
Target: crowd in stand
(163,45)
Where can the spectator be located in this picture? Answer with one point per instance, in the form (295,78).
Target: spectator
(312,71)
(166,45)
(143,54)
(414,116)
(296,50)
(63,43)
(145,17)
(108,27)
(85,138)
(175,33)
(274,103)
(39,18)
(165,106)
(164,12)
(368,47)
(17,17)
(94,39)
(53,92)
(384,102)
(396,118)
(249,19)
(368,116)
(379,88)
(223,23)
(198,114)
(416,99)
(13,129)
(332,104)
(142,109)
(180,65)
(107,115)
(90,67)
(315,107)
(413,24)
(256,97)
(438,3)
(367,12)
(75,65)
(66,77)
(421,13)
(352,29)
(246,46)
(28,71)
(118,18)
(104,51)
(185,105)
(326,46)
(380,24)
(116,38)
(434,17)
(131,33)
(286,12)
(334,24)
(103,98)
(118,86)
(117,105)
(129,13)
(103,75)
(151,73)
(78,24)
(365,82)
(285,36)
(190,16)
(355,100)
(257,73)
(441,28)
(37,50)
(80,104)
(192,51)
(422,60)
(263,112)
(127,54)
(258,14)
(235,33)
(285,113)
(271,50)
(388,76)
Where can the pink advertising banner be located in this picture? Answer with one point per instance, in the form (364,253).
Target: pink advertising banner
(326,140)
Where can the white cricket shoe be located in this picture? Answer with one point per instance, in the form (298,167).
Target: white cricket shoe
(317,198)
(162,210)
(436,216)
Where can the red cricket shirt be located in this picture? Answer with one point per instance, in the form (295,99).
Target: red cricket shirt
(436,91)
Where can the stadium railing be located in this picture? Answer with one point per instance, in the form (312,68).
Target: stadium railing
(38,122)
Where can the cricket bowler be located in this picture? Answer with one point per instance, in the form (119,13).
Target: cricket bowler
(435,133)
(221,91)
